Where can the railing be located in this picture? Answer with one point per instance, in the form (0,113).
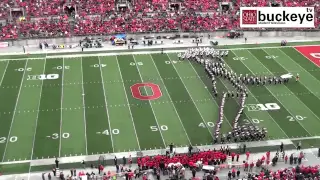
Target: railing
(181,34)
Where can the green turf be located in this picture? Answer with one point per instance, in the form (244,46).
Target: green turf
(86,105)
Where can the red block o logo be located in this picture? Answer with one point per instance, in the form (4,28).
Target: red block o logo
(135,90)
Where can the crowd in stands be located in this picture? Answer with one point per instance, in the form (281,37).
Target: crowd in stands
(176,165)
(141,16)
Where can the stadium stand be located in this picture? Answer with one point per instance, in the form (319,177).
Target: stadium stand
(101,17)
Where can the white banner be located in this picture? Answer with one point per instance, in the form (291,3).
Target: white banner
(277,17)
(4,44)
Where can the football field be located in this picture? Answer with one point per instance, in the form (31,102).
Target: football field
(84,105)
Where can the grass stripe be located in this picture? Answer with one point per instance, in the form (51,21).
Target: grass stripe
(188,112)
(10,138)
(200,88)
(302,61)
(119,112)
(287,103)
(308,80)
(95,111)
(49,114)
(297,104)
(10,88)
(24,122)
(142,113)
(229,113)
(166,113)
(231,103)
(148,91)
(106,105)
(280,116)
(72,115)
(258,118)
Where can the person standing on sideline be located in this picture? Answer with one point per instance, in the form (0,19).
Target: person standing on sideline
(54,171)
(115,160)
(83,165)
(57,163)
(49,176)
(299,145)
(245,40)
(43,178)
(244,148)
(124,161)
(171,147)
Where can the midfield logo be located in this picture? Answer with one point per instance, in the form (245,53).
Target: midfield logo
(277,17)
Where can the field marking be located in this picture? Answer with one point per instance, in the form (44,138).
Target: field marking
(174,107)
(61,105)
(305,55)
(164,143)
(159,102)
(303,70)
(125,92)
(254,97)
(36,125)
(4,73)
(304,86)
(272,92)
(212,98)
(14,111)
(83,105)
(106,103)
(190,96)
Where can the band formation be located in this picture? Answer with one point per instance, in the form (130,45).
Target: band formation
(214,64)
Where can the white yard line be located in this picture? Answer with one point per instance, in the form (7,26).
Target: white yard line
(165,87)
(305,56)
(209,129)
(303,85)
(106,103)
(84,111)
(61,106)
(4,72)
(14,111)
(272,92)
(125,92)
(301,68)
(210,94)
(258,101)
(35,129)
(151,105)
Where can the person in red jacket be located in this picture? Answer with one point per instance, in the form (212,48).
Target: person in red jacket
(286,159)
(232,156)
(251,166)
(246,165)
(247,154)
(268,155)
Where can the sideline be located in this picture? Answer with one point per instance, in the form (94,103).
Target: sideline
(48,56)
(179,150)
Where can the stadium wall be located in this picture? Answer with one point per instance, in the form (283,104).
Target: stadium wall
(249,34)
